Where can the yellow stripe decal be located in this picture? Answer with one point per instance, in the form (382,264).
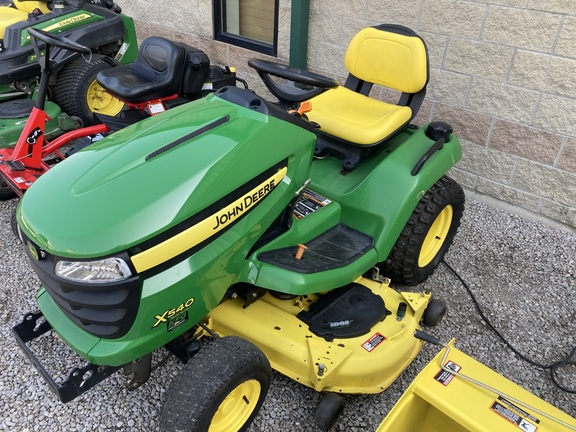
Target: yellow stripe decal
(67,22)
(206,228)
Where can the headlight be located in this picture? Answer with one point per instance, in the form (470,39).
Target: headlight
(99,271)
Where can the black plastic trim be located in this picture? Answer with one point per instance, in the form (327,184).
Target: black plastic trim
(106,310)
(336,247)
(189,137)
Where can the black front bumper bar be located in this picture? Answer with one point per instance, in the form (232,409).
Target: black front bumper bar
(79,380)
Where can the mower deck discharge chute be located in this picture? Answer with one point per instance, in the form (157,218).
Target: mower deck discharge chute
(213,230)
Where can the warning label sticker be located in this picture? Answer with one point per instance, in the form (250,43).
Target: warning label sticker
(515,415)
(446,377)
(309,203)
(373,342)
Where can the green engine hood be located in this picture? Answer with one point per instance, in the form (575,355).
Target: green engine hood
(140,181)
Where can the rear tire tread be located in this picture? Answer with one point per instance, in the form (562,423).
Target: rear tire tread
(70,90)
(401,266)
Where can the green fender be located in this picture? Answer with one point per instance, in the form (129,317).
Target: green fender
(378,197)
(129,49)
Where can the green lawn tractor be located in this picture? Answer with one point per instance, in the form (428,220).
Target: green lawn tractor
(242,236)
(73,90)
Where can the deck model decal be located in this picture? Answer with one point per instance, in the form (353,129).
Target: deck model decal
(208,227)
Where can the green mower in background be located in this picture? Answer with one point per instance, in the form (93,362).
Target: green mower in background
(244,235)
(74,93)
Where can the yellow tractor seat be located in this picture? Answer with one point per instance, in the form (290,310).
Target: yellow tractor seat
(9,16)
(357,118)
(352,124)
(30,6)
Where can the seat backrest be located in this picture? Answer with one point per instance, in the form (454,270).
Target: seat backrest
(29,6)
(389,55)
(9,16)
(160,59)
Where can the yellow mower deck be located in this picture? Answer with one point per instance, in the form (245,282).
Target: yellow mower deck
(438,401)
(364,364)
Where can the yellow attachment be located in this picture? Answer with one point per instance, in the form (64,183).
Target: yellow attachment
(389,59)
(355,117)
(236,409)
(438,401)
(9,16)
(29,6)
(363,364)
(436,236)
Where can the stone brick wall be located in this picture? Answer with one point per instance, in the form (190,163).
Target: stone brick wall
(503,73)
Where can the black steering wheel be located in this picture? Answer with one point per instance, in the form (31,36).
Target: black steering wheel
(57,40)
(301,83)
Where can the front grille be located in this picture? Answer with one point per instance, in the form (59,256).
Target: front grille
(106,310)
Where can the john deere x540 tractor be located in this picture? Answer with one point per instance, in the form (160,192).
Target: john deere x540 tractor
(242,236)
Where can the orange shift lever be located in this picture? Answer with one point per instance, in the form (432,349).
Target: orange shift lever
(304,107)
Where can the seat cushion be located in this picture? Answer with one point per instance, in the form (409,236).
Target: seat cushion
(155,74)
(356,118)
(29,6)
(9,16)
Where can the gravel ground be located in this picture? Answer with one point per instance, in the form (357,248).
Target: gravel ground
(522,272)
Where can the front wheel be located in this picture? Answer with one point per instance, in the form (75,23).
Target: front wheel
(427,235)
(221,389)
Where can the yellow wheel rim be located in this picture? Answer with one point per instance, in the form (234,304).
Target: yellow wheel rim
(236,409)
(100,101)
(436,236)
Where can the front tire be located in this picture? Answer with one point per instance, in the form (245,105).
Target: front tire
(427,235)
(221,389)
(78,93)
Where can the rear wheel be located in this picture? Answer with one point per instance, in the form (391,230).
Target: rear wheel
(78,93)
(427,235)
(221,389)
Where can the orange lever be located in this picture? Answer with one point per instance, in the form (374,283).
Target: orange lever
(300,251)
(304,107)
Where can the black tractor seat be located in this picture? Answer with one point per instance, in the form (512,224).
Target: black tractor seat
(156,73)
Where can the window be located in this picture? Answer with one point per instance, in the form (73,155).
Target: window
(251,24)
